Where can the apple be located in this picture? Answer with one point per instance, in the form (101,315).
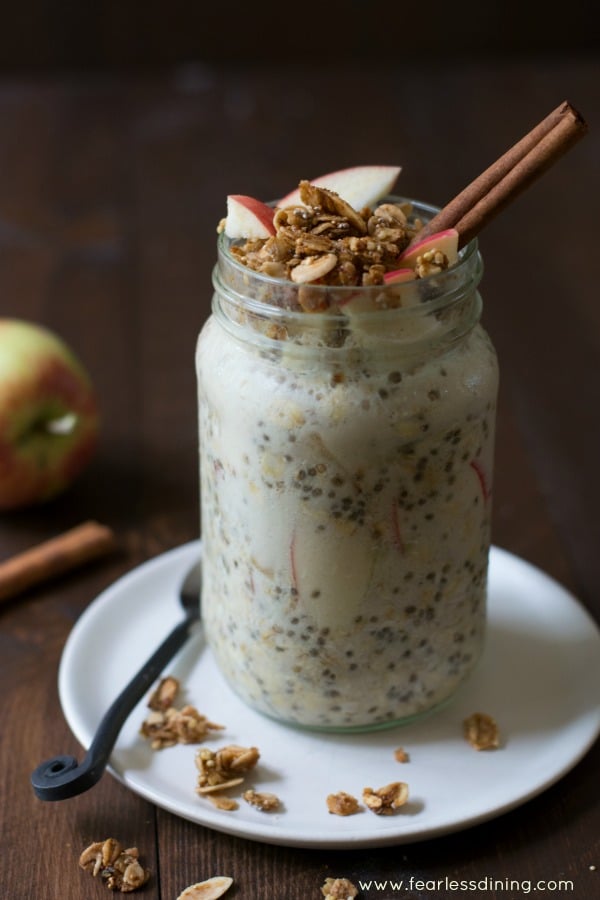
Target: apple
(398,276)
(482,478)
(331,582)
(248,217)
(445,241)
(48,415)
(359,186)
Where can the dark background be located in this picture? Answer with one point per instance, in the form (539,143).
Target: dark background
(41,34)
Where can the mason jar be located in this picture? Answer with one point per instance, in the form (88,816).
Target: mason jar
(346,475)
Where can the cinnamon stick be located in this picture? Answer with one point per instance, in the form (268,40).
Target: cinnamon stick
(53,557)
(509,175)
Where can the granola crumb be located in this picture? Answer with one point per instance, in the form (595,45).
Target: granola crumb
(342,804)
(339,889)
(166,725)
(400,755)
(263,800)
(120,869)
(481,731)
(211,889)
(385,800)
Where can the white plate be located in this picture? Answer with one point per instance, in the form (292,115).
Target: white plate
(538,677)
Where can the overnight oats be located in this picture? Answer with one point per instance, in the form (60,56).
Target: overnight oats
(347,395)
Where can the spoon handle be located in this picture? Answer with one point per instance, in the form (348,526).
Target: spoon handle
(62,776)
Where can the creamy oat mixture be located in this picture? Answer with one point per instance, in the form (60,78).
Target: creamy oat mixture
(346,516)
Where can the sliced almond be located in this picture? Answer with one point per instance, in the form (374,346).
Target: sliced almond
(313,267)
(211,788)
(210,889)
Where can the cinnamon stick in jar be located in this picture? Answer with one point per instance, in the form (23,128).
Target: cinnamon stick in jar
(53,557)
(509,175)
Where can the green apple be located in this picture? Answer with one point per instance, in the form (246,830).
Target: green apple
(48,415)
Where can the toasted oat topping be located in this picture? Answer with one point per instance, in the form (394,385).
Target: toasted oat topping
(262,800)
(342,804)
(223,769)
(385,800)
(120,869)
(176,726)
(326,241)
(339,889)
(220,767)
(166,725)
(481,731)
(211,889)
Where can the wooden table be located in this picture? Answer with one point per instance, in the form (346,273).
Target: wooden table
(110,189)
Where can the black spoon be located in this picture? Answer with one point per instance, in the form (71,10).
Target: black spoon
(62,776)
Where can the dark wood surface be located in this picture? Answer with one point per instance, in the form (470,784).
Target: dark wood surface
(110,189)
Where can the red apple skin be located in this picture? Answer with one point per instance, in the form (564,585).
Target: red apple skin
(446,241)
(41,381)
(482,478)
(259,210)
(397,276)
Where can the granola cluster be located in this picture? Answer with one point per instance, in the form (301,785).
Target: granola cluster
(385,800)
(167,725)
(382,801)
(120,869)
(326,241)
(342,804)
(339,889)
(223,769)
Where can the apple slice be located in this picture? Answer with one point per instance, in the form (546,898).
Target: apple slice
(359,186)
(445,241)
(248,217)
(398,276)
(331,574)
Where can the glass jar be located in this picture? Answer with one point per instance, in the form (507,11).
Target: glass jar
(346,473)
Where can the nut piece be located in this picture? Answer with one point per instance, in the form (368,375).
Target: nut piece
(481,731)
(164,695)
(120,868)
(342,804)
(339,889)
(211,889)
(311,268)
(430,263)
(400,755)
(386,799)
(262,800)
